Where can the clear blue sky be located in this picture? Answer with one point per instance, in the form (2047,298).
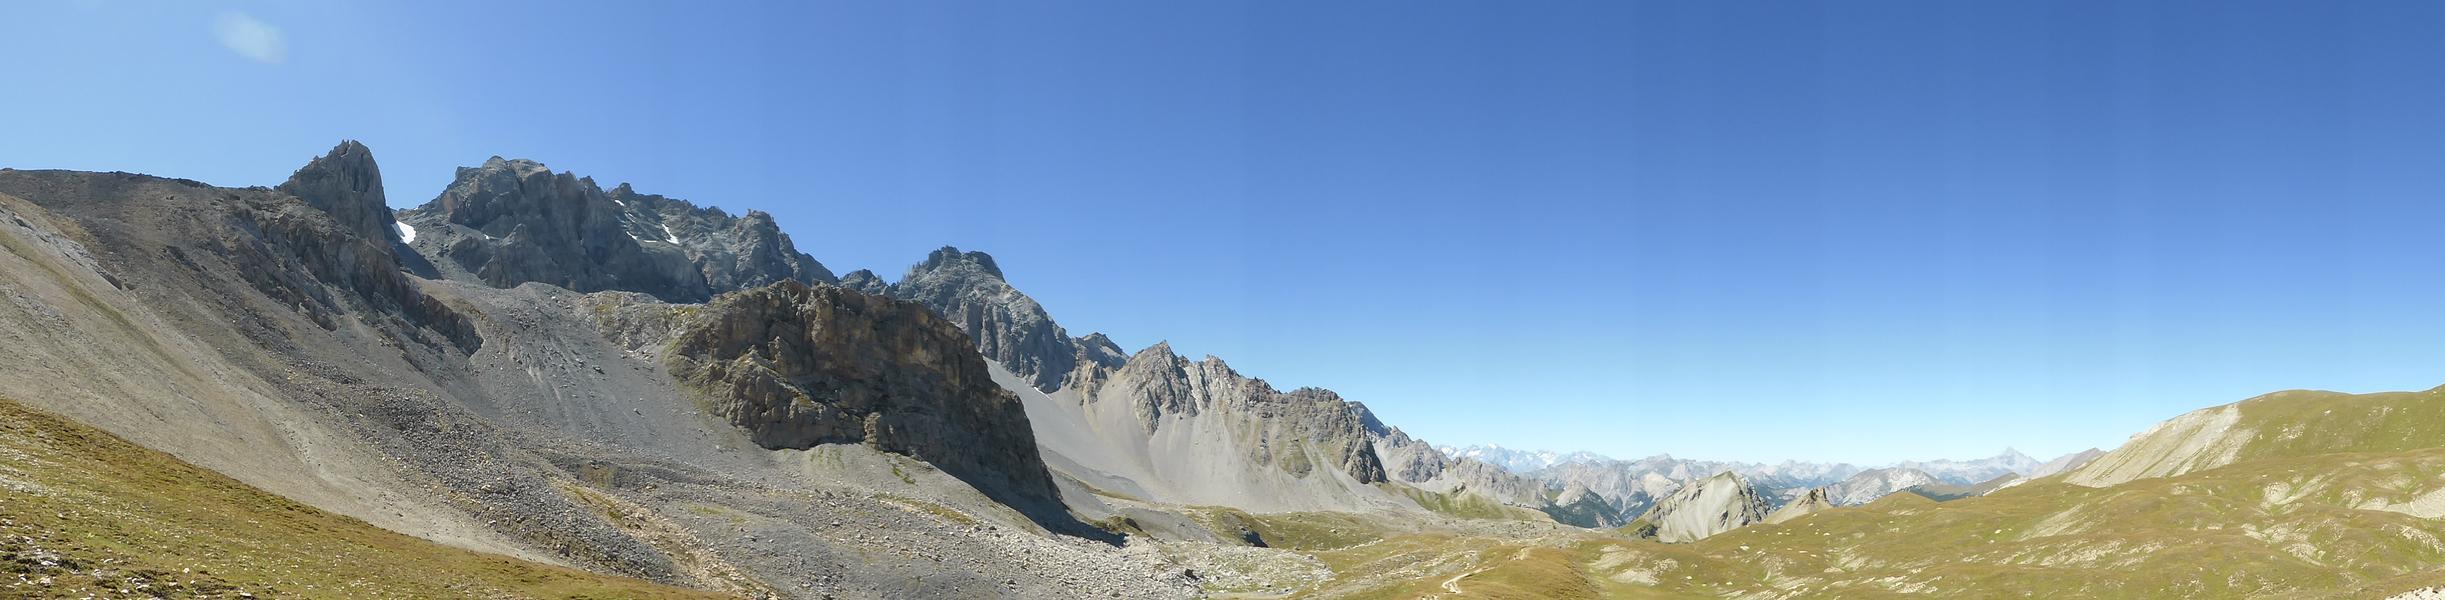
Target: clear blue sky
(1746,230)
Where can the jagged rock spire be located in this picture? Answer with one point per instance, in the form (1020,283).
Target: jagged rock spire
(345,183)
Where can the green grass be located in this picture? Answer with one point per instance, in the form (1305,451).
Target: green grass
(89,513)
(1309,531)
(2310,423)
(2212,534)
(2296,518)
(1462,505)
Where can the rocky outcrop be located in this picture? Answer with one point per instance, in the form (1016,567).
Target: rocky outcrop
(331,252)
(731,253)
(1576,506)
(1297,432)
(515,221)
(797,366)
(346,184)
(1406,459)
(865,281)
(1704,508)
(1009,327)
(1813,501)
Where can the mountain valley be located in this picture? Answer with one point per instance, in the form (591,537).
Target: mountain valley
(548,389)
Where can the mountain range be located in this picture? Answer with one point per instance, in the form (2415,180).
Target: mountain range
(540,387)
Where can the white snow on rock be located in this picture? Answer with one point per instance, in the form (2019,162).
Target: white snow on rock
(666,232)
(407,233)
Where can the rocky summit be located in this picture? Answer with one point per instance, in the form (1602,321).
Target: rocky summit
(1709,506)
(509,222)
(1009,327)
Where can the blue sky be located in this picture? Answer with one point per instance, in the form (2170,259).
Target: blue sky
(1740,230)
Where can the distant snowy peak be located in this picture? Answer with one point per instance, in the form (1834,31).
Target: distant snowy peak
(1519,461)
(1871,484)
(1967,472)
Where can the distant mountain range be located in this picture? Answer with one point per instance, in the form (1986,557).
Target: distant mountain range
(1631,486)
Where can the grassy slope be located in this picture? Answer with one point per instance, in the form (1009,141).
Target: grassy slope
(2310,423)
(1464,506)
(89,513)
(2296,518)
(2286,528)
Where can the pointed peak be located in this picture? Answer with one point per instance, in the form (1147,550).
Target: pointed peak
(951,257)
(1161,350)
(346,184)
(865,281)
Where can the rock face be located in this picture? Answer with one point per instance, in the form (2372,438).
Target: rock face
(302,257)
(798,366)
(1704,508)
(866,281)
(1580,507)
(1871,484)
(1160,426)
(731,253)
(515,221)
(1813,501)
(255,332)
(346,184)
(1406,459)
(1009,327)
(1298,432)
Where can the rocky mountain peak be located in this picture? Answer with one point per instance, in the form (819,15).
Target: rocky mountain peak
(950,258)
(865,281)
(512,221)
(1096,349)
(1008,326)
(1814,501)
(1705,507)
(346,183)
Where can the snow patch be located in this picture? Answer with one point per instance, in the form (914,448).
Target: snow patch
(666,233)
(407,233)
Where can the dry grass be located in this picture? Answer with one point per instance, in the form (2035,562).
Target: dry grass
(84,513)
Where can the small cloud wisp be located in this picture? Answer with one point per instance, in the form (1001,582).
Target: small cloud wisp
(250,37)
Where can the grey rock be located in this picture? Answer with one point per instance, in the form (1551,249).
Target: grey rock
(1704,508)
(798,366)
(1579,507)
(509,222)
(865,281)
(346,184)
(1008,326)
(732,253)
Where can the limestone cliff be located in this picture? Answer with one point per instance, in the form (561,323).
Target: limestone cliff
(798,366)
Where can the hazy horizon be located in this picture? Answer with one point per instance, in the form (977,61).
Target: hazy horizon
(1886,233)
